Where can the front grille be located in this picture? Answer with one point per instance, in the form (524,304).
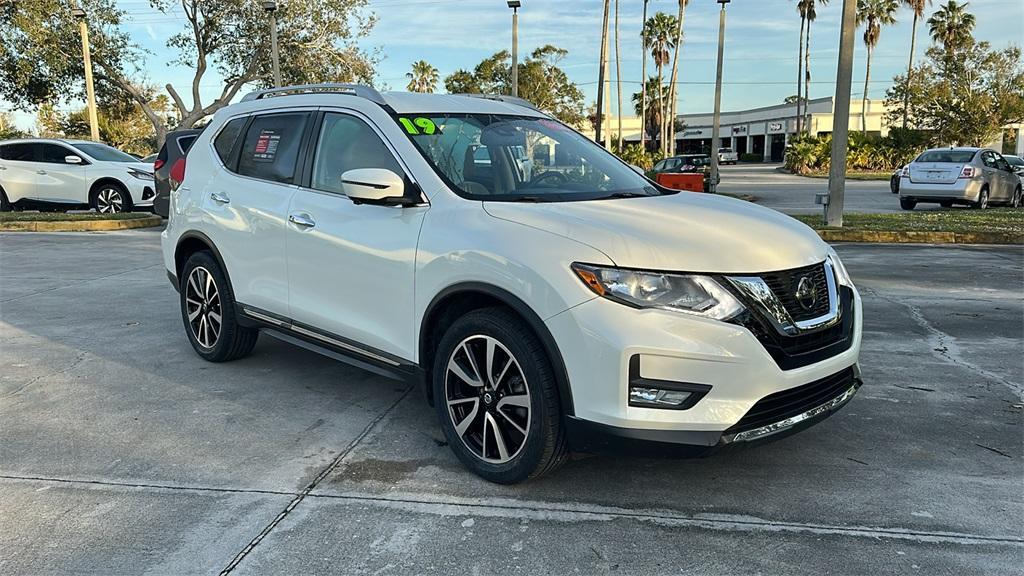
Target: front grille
(784,285)
(788,403)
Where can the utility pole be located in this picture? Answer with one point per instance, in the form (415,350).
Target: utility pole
(643,83)
(841,117)
(90,92)
(715,140)
(515,5)
(271,8)
(598,134)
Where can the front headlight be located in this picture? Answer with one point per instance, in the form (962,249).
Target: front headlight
(689,293)
(842,276)
(141,175)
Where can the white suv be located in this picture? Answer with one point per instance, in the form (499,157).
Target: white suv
(50,174)
(542,309)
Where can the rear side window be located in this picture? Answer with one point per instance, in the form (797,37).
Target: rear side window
(22,152)
(225,141)
(185,142)
(271,147)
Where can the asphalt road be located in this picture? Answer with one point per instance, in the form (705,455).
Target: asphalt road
(121,452)
(795,194)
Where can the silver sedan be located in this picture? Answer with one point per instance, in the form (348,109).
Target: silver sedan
(948,176)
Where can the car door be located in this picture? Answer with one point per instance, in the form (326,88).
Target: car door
(1008,177)
(245,206)
(18,168)
(351,266)
(992,175)
(59,181)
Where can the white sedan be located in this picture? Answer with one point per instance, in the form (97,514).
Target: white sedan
(50,174)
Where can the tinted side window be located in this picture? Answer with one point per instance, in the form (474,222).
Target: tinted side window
(54,154)
(185,142)
(271,147)
(347,143)
(225,141)
(988,160)
(22,152)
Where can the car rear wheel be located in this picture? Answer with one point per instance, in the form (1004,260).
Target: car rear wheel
(5,205)
(1015,202)
(496,397)
(111,199)
(907,203)
(982,202)
(208,311)
(946,203)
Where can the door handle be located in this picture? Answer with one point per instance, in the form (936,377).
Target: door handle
(3,167)
(302,220)
(219,197)
(41,172)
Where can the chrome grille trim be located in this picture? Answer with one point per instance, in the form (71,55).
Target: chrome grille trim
(757,293)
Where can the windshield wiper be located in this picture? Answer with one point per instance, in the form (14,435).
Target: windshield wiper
(627,195)
(532,199)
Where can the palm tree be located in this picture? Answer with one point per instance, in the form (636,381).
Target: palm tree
(660,33)
(423,77)
(801,7)
(672,90)
(618,74)
(648,105)
(810,9)
(952,26)
(873,14)
(643,84)
(918,7)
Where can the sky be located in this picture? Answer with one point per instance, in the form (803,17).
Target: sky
(760,51)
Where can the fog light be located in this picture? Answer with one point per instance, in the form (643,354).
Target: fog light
(656,397)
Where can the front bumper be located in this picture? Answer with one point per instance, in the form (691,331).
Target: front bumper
(597,339)
(142,191)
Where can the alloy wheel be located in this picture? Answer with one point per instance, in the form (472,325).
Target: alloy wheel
(488,399)
(109,201)
(983,200)
(203,307)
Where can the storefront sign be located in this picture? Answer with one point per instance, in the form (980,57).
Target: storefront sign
(775,126)
(739,129)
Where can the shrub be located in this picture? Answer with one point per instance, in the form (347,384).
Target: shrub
(751,157)
(806,154)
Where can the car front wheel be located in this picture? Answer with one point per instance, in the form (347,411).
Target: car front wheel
(496,397)
(111,199)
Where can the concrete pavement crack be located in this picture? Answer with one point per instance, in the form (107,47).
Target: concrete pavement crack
(312,485)
(74,363)
(74,284)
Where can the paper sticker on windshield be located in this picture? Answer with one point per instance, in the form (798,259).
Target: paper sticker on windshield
(552,124)
(266,146)
(419,125)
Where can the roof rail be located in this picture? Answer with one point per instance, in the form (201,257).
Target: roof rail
(504,98)
(330,88)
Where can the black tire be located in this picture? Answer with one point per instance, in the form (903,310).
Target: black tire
(5,204)
(907,203)
(982,202)
(544,447)
(1016,200)
(946,203)
(110,198)
(894,184)
(231,340)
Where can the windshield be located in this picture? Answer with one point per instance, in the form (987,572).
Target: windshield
(511,158)
(955,156)
(104,153)
(1014,160)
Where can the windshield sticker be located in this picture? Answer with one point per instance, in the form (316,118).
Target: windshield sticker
(552,124)
(266,146)
(419,125)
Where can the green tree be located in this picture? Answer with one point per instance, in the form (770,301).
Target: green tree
(801,7)
(8,129)
(659,31)
(422,78)
(649,105)
(40,50)
(673,85)
(541,82)
(873,14)
(952,26)
(917,7)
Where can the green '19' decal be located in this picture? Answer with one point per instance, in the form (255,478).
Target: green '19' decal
(419,125)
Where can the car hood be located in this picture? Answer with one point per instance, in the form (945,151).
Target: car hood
(132,166)
(683,232)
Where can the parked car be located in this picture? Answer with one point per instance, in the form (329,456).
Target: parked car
(1017,163)
(544,313)
(948,176)
(728,156)
(150,159)
(686,164)
(51,174)
(175,146)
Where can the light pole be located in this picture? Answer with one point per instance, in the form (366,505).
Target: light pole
(90,93)
(715,141)
(841,117)
(271,8)
(515,5)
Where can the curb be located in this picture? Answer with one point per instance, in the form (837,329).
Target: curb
(80,225)
(919,237)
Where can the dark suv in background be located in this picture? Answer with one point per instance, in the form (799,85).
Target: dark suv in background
(176,146)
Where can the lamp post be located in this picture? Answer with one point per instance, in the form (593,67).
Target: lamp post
(715,140)
(271,8)
(515,5)
(90,93)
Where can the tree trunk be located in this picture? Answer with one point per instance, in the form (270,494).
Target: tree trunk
(864,97)
(643,84)
(807,72)
(672,90)
(800,73)
(661,110)
(618,73)
(910,72)
(598,132)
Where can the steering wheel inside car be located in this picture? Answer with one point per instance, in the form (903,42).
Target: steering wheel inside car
(561,178)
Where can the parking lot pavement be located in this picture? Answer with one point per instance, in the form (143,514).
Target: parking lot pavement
(795,194)
(121,452)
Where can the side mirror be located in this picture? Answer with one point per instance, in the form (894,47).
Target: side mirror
(374,186)
(72,159)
